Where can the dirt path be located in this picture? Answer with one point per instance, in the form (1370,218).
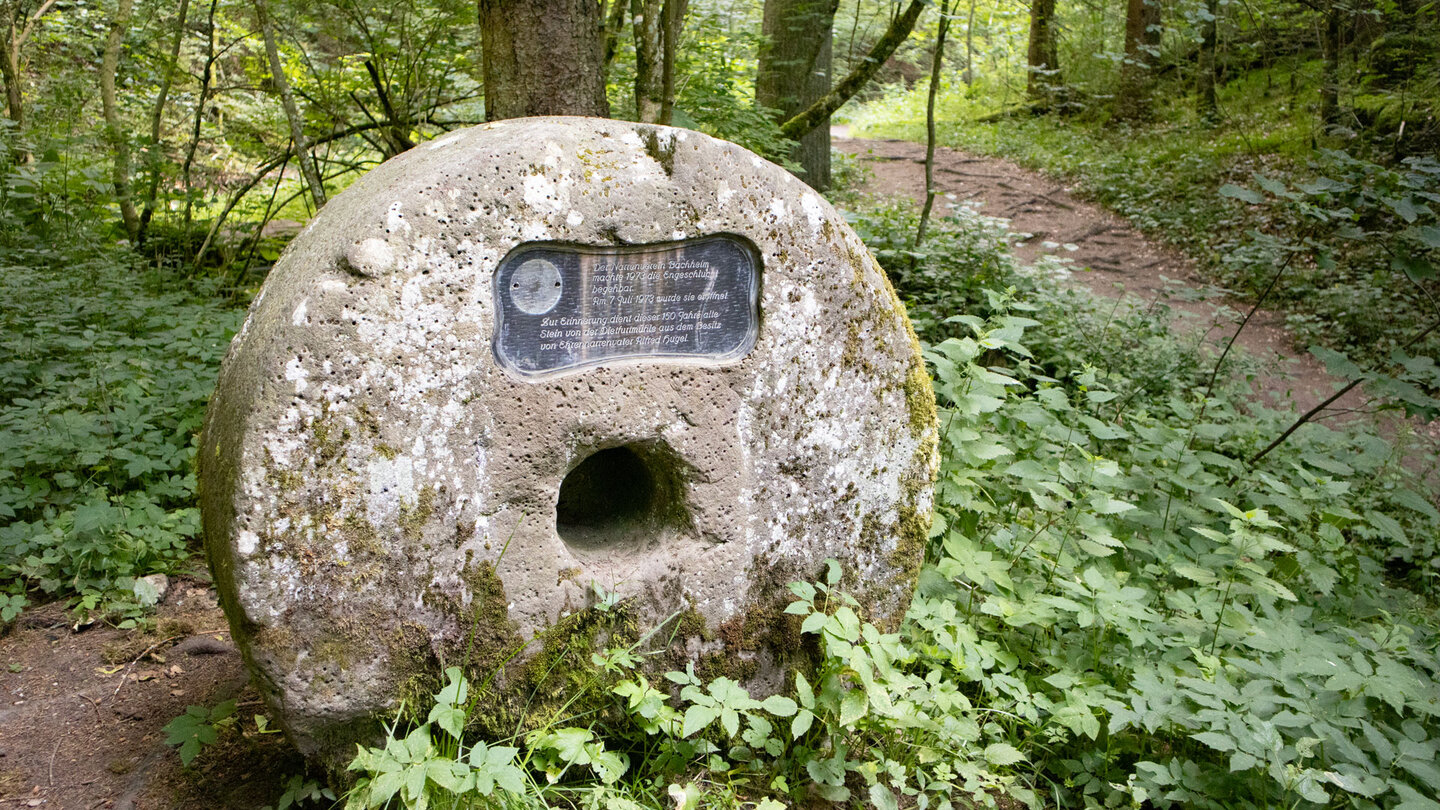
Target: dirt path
(82,713)
(1110,257)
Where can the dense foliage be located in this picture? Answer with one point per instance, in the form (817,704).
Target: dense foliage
(1116,609)
(105,367)
(1126,599)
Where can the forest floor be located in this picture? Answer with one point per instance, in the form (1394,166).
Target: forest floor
(1113,259)
(82,712)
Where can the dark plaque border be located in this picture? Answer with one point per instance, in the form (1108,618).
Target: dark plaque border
(532,300)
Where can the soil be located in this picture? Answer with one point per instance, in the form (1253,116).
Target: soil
(82,710)
(82,713)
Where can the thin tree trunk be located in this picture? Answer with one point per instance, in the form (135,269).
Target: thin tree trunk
(649,83)
(820,111)
(935,64)
(1042,53)
(1206,105)
(543,57)
(12,67)
(157,118)
(114,133)
(292,112)
(1330,68)
(194,144)
(672,22)
(10,71)
(614,24)
(396,133)
(970,46)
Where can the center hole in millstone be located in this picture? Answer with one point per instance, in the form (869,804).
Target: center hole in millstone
(620,498)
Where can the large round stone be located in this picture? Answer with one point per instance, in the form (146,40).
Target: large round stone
(386,493)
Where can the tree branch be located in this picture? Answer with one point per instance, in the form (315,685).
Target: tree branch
(802,123)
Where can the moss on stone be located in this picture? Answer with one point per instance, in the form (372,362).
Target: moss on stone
(920,400)
(412,519)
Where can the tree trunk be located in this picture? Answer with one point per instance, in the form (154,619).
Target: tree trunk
(649,83)
(205,81)
(930,119)
(1330,68)
(114,134)
(970,46)
(1142,36)
(614,24)
(1042,53)
(794,72)
(900,28)
(543,57)
(672,23)
(292,112)
(1206,104)
(157,118)
(18,24)
(10,71)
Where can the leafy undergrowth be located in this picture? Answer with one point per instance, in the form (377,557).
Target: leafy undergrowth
(1117,609)
(105,369)
(1344,290)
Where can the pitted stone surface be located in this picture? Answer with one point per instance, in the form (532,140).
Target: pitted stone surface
(373,479)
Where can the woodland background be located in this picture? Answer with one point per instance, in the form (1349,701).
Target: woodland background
(1145,586)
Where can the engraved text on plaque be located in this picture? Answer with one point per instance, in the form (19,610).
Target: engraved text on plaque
(561,307)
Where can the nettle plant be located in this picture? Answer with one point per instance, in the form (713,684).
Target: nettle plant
(106,370)
(1361,242)
(874,721)
(1118,608)
(1166,623)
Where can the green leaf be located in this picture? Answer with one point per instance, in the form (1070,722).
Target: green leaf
(779,705)
(881,798)
(1002,754)
(1242,194)
(1216,740)
(698,717)
(804,692)
(853,707)
(801,724)
(814,622)
(1428,234)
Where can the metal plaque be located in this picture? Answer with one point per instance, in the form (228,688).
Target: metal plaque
(561,307)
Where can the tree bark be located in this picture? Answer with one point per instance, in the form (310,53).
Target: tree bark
(205,80)
(614,24)
(794,71)
(935,64)
(118,140)
(1330,68)
(672,23)
(18,24)
(970,46)
(157,119)
(10,68)
(1206,104)
(292,112)
(1042,54)
(815,114)
(649,82)
(543,57)
(1142,36)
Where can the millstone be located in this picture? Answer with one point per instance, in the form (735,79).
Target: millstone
(550,381)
